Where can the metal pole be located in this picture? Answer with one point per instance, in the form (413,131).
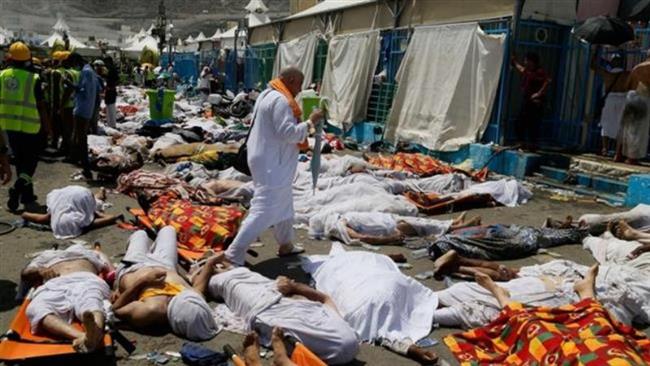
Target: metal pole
(514,34)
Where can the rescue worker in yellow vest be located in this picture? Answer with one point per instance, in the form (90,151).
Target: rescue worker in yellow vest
(53,84)
(22,115)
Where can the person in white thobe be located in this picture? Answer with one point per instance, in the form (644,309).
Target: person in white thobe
(273,159)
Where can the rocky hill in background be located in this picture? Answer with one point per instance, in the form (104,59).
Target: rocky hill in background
(104,17)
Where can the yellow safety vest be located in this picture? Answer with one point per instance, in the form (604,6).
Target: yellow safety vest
(74,75)
(18,111)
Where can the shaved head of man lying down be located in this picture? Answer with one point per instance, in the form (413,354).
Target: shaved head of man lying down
(150,292)
(302,312)
(68,288)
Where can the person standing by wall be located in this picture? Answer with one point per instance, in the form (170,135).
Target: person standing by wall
(534,85)
(273,159)
(615,80)
(22,115)
(632,142)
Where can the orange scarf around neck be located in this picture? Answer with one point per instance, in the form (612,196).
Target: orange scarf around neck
(279,86)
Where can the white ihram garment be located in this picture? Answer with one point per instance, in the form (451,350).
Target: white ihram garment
(374,297)
(72,209)
(272,158)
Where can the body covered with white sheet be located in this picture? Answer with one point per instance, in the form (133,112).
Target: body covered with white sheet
(374,297)
(72,209)
(256,300)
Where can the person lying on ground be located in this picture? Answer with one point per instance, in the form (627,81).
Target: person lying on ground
(263,304)
(504,242)
(71,211)
(378,228)
(252,349)
(151,294)
(638,218)
(395,311)
(622,285)
(624,231)
(350,279)
(576,333)
(67,288)
(231,190)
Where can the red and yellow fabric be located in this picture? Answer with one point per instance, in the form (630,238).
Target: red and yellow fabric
(279,86)
(583,333)
(199,227)
(422,165)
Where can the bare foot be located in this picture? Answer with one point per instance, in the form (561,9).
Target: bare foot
(92,337)
(422,356)
(280,357)
(474,221)
(502,295)
(586,286)
(459,220)
(507,273)
(446,264)
(252,350)
(625,232)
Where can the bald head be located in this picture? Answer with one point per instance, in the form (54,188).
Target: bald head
(292,77)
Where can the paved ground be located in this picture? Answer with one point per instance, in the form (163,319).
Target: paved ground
(17,245)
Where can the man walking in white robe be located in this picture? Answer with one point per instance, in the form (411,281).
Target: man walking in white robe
(273,158)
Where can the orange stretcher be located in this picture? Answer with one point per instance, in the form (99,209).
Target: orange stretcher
(20,345)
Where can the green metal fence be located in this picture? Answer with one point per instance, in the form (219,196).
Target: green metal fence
(319,61)
(259,65)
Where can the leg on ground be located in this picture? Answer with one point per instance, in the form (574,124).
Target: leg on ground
(501,294)
(252,350)
(280,357)
(422,356)
(585,288)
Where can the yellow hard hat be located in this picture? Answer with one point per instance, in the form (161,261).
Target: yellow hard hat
(60,55)
(18,51)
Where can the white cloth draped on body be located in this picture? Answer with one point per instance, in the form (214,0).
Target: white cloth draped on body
(256,300)
(374,297)
(335,225)
(72,209)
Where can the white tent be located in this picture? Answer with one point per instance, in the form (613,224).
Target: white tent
(228,37)
(217,35)
(61,26)
(201,38)
(148,42)
(255,19)
(189,39)
(151,28)
(256,6)
(74,43)
(5,35)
